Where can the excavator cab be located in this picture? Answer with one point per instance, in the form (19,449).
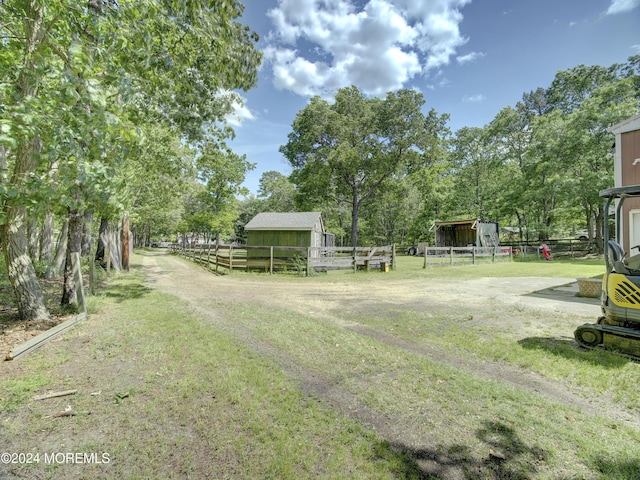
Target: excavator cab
(619,326)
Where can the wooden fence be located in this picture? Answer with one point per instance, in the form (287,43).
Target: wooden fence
(300,260)
(566,248)
(465,255)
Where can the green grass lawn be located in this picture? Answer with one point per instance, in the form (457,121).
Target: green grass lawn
(167,394)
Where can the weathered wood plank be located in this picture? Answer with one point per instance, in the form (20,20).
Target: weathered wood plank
(39,340)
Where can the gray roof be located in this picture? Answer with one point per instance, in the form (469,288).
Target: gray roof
(284,221)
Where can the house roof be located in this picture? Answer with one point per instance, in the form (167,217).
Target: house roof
(627,125)
(284,221)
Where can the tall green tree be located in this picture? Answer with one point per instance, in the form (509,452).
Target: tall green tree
(71,72)
(350,150)
(277,191)
(222,173)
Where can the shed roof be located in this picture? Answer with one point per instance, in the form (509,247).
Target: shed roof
(284,221)
(627,125)
(471,221)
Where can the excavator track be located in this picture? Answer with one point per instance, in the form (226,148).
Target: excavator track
(622,340)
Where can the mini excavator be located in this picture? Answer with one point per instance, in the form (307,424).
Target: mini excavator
(619,326)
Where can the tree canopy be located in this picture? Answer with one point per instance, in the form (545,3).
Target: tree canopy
(98,100)
(349,152)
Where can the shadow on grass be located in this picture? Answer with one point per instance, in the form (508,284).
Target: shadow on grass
(569,349)
(121,293)
(616,469)
(506,457)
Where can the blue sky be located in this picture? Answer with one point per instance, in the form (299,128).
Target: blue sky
(469,58)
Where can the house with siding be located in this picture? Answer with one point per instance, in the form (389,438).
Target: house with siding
(626,171)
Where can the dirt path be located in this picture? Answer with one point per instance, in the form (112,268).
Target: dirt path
(327,302)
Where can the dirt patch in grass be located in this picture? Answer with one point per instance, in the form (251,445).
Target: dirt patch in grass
(526,307)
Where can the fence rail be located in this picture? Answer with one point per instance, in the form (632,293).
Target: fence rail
(301,260)
(570,248)
(465,255)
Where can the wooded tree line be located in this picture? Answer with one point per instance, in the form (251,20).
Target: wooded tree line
(382,172)
(111,106)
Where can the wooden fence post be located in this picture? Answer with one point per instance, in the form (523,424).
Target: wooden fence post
(271,260)
(92,276)
(230,259)
(451,255)
(393,257)
(473,255)
(426,248)
(308,260)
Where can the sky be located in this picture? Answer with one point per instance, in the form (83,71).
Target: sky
(469,58)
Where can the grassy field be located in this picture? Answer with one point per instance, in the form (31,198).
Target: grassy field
(168,392)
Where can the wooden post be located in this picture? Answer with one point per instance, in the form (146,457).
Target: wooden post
(451,255)
(216,255)
(426,247)
(355,261)
(393,257)
(271,260)
(473,255)
(493,256)
(308,260)
(92,276)
(124,235)
(230,259)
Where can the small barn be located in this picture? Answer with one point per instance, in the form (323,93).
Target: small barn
(290,229)
(467,233)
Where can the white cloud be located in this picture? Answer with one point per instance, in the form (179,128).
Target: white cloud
(473,98)
(469,57)
(240,113)
(635,48)
(378,47)
(622,6)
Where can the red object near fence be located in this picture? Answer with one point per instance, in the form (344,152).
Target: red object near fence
(546,251)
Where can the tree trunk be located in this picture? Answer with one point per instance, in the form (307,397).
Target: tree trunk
(22,275)
(74,244)
(15,243)
(61,251)
(86,234)
(125,242)
(102,233)
(46,244)
(33,239)
(602,222)
(355,207)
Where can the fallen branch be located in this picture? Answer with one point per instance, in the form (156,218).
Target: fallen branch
(55,394)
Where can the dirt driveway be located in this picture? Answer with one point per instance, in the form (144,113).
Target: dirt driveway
(548,304)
